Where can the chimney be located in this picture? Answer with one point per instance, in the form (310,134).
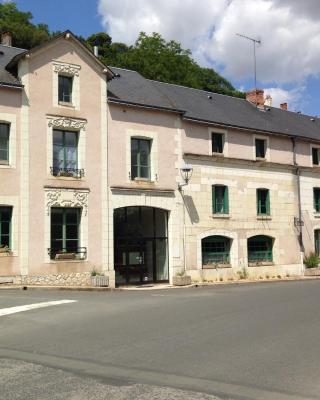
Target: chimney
(268,101)
(6,39)
(256,96)
(284,106)
(96,51)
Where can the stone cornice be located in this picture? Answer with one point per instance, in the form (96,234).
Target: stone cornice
(67,69)
(66,198)
(67,122)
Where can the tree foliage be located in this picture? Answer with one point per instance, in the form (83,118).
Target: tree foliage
(25,34)
(151,55)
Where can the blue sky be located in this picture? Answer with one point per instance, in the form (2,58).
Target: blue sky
(288,62)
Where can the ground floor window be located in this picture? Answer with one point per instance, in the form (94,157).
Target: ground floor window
(317,241)
(260,249)
(216,250)
(65,233)
(5,227)
(141,245)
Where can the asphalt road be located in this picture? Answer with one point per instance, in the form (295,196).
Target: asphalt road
(256,341)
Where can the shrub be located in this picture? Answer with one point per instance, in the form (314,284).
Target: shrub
(243,274)
(312,260)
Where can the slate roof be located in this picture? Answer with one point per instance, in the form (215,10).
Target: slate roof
(202,106)
(6,55)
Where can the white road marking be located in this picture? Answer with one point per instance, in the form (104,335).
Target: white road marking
(27,307)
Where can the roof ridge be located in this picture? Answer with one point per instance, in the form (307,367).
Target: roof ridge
(12,47)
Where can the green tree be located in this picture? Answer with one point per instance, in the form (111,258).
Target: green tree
(25,34)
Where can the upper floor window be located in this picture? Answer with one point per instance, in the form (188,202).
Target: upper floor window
(261,148)
(4,143)
(140,158)
(263,202)
(315,156)
(220,199)
(316,199)
(5,227)
(217,142)
(65,154)
(65,89)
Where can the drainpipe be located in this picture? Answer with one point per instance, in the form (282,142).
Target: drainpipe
(297,171)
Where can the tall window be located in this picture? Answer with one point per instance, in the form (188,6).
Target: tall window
(4,143)
(316,199)
(317,241)
(315,156)
(5,226)
(65,89)
(65,153)
(215,250)
(65,230)
(263,202)
(220,199)
(217,142)
(261,148)
(140,158)
(260,249)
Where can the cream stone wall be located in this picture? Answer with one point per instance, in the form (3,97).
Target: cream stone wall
(242,221)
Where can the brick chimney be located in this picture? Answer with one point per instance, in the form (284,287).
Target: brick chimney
(284,106)
(6,39)
(256,96)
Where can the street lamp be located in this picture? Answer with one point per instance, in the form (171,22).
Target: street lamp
(186,173)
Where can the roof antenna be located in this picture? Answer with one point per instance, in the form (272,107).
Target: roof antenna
(254,42)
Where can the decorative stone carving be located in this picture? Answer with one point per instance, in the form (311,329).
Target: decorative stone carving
(66,122)
(66,198)
(67,69)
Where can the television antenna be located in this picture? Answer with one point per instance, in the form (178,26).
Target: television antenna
(254,42)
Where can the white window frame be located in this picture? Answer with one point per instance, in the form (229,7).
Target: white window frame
(267,141)
(152,136)
(72,71)
(223,132)
(11,120)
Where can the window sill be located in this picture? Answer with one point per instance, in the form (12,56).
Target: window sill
(66,104)
(261,159)
(264,218)
(65,178)
(216,266)
(316,214)
(6,254)
(66,261)
(217,154)
(143,180)
(221,216)
(261,264)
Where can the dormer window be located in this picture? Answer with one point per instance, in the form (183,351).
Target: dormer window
(315,156)
(65,89)
(217,142)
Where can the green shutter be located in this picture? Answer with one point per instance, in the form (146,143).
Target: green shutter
(268,202)
(213,200)
(258,202)
(226,200)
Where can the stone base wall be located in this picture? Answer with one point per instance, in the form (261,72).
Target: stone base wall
(259,272)
(70,279)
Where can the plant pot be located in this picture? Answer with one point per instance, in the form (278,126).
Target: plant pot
(65,256)
(312,271)
(100,281)
(181,280)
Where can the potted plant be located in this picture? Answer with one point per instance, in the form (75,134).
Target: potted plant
(181,279)
(98,279)
(311,263)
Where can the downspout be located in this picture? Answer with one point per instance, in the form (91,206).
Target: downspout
(297,171)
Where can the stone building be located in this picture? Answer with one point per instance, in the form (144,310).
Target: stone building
(92,178)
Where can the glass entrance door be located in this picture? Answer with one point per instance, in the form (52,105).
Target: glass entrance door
(140,245)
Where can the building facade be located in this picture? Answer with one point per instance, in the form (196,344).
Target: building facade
(91,176)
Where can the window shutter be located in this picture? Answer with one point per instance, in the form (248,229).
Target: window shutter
(258,202)
(268,202)
(213,200)
(226,200)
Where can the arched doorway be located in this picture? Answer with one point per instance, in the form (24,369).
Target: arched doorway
(140,245)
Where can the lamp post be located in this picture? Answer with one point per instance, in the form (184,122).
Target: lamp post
(186,174)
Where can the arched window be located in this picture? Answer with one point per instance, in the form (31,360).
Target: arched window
(216,250)
(260,249)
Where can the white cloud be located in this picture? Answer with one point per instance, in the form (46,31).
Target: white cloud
(289,30)
(294,97)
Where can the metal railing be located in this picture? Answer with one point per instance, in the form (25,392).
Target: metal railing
(260,256)
(79,253)
(67,172)
(216,258)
